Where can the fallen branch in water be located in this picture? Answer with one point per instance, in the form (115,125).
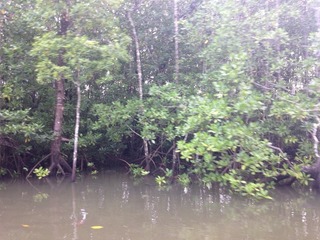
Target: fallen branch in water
(37,165)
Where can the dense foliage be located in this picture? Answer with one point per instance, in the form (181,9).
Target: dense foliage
(207,91)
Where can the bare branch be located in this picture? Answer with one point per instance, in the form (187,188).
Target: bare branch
(282,154)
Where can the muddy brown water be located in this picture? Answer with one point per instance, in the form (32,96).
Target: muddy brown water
(114,206)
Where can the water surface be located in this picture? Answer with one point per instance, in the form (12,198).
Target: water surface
(122,209)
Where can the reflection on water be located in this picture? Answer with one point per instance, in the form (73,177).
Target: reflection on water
(113,206)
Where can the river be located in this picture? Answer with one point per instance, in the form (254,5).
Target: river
(114,206)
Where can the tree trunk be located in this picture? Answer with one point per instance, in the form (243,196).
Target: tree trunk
(175,156)
(137,52)
(314,169)
(57,127)
(55,150)
(76,134)
(176,40)
(140,80)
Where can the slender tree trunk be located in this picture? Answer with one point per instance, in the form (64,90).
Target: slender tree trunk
(317,17)
(278,73)
(140,80)
(76,134)
(176,40)
(175,156)
(57,127)
(59,104)
(3,40)
(137,52)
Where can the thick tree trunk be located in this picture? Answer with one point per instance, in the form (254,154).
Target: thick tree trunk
(314,172)
(76,134)
(314,169)
(140,80)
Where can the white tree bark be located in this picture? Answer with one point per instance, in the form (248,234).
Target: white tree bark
(76,133)
(140,82)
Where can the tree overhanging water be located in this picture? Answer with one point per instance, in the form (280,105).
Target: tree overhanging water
(230,90)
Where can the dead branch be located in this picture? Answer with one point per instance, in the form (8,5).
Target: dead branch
(282,154)
(37,165)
